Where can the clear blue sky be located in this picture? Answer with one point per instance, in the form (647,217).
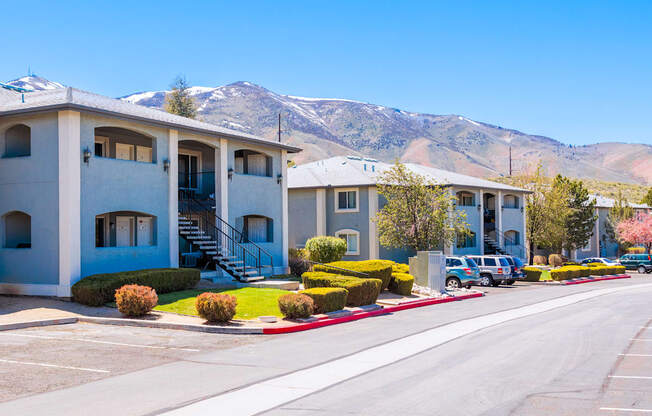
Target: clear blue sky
(578,71)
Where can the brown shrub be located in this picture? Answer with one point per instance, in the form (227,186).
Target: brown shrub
(555,260)
(540,260)
(135,300)
(295,305)
(216,307)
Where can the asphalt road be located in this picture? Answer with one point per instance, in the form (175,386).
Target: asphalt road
(586,357)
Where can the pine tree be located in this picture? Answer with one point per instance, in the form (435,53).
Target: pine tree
(580,217)
(179,101)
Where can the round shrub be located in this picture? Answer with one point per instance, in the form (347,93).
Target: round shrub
(555,260)
(327,299)
(296,305)
(324,249)
(298,262)
(135,300)
(401,284)
(540,260)
(216,307)
(360,291)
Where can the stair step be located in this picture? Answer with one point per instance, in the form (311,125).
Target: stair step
(199,237)
(252,278)
(211,253)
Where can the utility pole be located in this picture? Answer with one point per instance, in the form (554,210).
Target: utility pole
(510,160)
(279,127)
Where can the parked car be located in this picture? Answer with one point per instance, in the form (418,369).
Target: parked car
(461,272)
(638,262)
(494,270)
(517,269)
(602,260)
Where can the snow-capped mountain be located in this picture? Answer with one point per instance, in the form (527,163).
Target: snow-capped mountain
(34,83)
(326,127)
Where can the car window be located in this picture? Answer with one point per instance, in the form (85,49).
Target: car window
(510,261)
(448,262)
(477,260)
(471,263)
(456,262)
(489,261)
(503,261)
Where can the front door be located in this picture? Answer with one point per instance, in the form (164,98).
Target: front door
(124,231)
(144,235)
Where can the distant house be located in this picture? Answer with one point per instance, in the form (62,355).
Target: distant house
(339,197)
(90,184)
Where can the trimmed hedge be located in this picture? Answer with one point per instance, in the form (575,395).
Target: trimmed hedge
(98,289)
(360,291)
(295,305)
(401,284)
(532,274)
(372,269)
(400,268)
(327,299)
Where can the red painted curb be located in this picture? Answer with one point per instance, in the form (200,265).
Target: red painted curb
(361,315)
(599,279)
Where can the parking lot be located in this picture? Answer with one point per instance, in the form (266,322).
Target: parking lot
(36,360)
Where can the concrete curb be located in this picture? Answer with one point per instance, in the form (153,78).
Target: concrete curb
(170,325)
(582,280)
(42,322)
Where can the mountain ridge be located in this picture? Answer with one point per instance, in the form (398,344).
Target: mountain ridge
(326,127)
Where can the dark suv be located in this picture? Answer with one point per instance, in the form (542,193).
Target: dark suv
(640,262)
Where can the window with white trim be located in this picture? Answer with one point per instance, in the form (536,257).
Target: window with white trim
(352,238)
(250,162)
(465,199)
(346,200)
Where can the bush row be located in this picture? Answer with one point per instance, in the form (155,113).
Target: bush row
(401,284)
(98,289)
(326,299)
(533,274)
(360,291)
(371,269)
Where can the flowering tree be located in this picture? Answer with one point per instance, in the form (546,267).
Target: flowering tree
(637,231)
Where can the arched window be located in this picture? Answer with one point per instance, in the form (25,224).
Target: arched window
(125,229)
(466,240)
(352,238)
(465,199)
(250,162)
(17,230)
(256,228)
(124,144)
(512,238)
(17,141)
(510,201)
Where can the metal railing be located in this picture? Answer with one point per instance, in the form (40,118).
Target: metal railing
(510,245)
(231,243)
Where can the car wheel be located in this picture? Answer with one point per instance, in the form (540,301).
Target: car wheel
(453,283)
(486,280)
(641,269)
(508,282)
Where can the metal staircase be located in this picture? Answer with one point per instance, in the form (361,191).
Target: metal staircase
(220,243)
(491,246)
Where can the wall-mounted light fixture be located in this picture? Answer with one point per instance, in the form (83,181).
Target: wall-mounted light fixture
(279,178)
(521,209)
(166,165)
(230,173)
(87,155)
(478,207)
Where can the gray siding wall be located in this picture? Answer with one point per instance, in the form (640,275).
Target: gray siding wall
(358,221)
(30,184)
(109,185)
(302,208)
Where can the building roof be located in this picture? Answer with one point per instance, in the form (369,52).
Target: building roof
(71,98)
(604,202)
(342,171)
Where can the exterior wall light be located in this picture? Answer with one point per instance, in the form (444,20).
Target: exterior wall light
(87,155)
(521,209)
(279,178)
(230,173)
(478,207)
(166,165)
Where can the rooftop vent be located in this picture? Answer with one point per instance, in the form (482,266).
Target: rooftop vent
(354,157)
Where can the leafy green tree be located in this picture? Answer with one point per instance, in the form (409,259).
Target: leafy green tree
(418,214)
(579,219)
(179,101)
(647,199)
(620,212)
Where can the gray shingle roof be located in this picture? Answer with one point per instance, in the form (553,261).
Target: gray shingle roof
(77,99)
(604,202)
(343,171)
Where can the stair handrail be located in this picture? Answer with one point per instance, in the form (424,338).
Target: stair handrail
(521,248)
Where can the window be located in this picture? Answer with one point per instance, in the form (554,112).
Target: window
(476,260)
(17,230)
(465,199)
(352,238)
(466,240)
(189,167)
(512,238)
(346,200)
(249,162)
(125,229)
(124,144)
(451,262)
(17,141)
(510,201)
(256,228)
(489,261)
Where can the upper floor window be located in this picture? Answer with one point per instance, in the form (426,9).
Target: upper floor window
(346,200)
(465,199)
(511,201)
(119,143)
(250,162)
(125,229)
(17,141)
(352,238)
(17,230)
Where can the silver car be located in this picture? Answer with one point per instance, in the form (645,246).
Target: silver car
(493,269)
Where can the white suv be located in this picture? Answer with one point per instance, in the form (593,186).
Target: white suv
(493,269)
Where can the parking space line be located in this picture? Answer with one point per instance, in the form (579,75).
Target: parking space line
(633,377)
(156,347)
(620,409)
(93,370)
(641,339)
(636,355)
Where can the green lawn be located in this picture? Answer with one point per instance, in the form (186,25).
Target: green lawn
(252,302)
